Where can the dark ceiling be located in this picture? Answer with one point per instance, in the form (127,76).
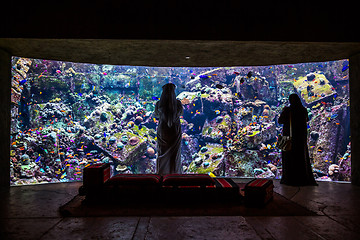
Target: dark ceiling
(178,52)
(161,33)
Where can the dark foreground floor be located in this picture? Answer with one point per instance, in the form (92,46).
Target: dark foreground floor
(31,212)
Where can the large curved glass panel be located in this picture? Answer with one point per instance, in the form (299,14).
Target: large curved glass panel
(66,116)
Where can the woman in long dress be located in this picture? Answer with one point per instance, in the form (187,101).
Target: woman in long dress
(296,167)
(168,110)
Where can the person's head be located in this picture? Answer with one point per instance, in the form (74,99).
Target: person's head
(168,103)
(294,100)
(168,88)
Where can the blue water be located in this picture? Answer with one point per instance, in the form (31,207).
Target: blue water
(67,116)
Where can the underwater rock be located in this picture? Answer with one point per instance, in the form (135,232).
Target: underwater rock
(89,123)
(185,101)
(259,133)
(310,76)
(253,86)
(272,167)
(328,146)
(266,174)
(314,135)
(129,113)
(151,152)
(204,149)
(240,163)
(189,147)
(314,90)
(217,99)
(138,120)
(25,159)
(219,119)
(333,169)
(120,145)
(345,165)
(258,171)
(130,124)
(133,153)
(103,117)
(134,140)
(198,161)
(53,136)
(124,139)
(112,140)
(121,168)
(197,166)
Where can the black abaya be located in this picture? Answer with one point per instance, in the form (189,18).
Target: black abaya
(296,166)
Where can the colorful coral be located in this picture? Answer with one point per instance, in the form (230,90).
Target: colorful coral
(66,116)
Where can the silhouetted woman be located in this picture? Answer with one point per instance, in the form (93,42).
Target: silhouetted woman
(296,162)
(168,109)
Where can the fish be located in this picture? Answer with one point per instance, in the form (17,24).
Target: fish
(203,76)
(58,71)
(217,111)
(155,98)
(346,67)
(22,82)
(334,116)
(249,74)
(236,73)
(211,175)
(104,73)
(242,80)
(38,159)
(219,86)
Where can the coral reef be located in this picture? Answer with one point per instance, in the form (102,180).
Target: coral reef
(66,116)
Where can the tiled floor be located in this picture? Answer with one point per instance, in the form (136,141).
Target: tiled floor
(31,212)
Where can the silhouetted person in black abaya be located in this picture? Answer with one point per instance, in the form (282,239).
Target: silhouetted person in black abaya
(168,109)
(296,167)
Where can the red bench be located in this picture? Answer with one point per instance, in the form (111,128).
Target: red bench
(139,187)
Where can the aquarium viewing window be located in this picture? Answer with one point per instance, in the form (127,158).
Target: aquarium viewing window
(66,116)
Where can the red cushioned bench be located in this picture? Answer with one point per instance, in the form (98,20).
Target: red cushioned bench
(97,185)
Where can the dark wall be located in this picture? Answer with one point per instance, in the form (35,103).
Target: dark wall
(182,20)
(192,20)
(355,118)
(5,66)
